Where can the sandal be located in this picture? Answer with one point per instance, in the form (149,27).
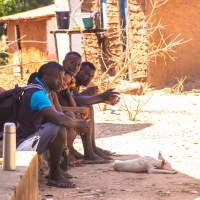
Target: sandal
(63,183)
(65,175)
(76,163)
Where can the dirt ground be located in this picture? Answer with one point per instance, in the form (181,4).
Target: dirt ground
(167,123)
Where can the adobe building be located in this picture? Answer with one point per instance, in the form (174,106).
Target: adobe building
(109,41)
(30,42)
(180,17)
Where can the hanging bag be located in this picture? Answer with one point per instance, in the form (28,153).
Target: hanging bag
(29,144)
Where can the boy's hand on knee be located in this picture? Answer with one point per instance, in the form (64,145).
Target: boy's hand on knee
(82,126)
(84,111)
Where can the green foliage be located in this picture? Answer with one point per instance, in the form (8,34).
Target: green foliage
(9,7)
(3,59)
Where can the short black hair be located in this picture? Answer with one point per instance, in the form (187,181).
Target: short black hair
(73,53)
(32,77)
(39,74)
(49,67)
(36,74)
(40,71)
(89,64)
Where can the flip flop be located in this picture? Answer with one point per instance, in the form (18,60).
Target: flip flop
(76,163)
(88,162)
(59,183)
(65,175)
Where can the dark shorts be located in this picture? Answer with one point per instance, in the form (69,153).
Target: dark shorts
(47,133)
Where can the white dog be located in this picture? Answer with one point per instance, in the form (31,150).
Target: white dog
(144,164)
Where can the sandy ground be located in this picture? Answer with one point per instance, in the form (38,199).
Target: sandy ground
(167,123)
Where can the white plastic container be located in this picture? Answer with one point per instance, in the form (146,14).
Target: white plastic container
(79,16)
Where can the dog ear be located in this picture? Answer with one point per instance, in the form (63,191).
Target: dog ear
(160,157)
(163,162)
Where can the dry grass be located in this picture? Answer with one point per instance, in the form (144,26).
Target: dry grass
(178,88)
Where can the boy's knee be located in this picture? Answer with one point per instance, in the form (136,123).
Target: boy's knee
(70,114)
(62,133)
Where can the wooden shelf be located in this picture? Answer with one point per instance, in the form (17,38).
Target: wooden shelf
(68,31)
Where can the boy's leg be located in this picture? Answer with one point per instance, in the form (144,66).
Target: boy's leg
(92,124)
(53,137)
(55,149)
(71,135)
(89,153)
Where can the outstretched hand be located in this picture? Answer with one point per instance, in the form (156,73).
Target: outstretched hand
(110,95)
(113,102)
(91,91)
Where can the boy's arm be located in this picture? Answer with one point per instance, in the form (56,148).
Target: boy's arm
(40,101)
(108,95)
(90,91)
(63,120)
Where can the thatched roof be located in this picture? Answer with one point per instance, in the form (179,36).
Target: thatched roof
(39,13)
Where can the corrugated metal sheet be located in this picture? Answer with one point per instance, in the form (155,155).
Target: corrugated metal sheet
(43,12)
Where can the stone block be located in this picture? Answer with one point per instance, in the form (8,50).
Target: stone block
(21,184)
(136,2)
(136,8)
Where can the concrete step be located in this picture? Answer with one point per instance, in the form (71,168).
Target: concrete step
(21,184)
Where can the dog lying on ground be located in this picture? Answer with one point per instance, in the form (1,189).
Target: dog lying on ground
(145,164)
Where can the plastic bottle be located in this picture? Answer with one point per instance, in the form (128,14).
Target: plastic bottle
(9,147)
(63,164)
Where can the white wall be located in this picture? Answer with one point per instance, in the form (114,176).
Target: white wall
(76,38)
(63,38)
(51,26)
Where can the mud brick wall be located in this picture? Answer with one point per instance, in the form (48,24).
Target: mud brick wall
(91,49)
(109,47)
(137,37)
(90,46)
(31,53)
(113,47)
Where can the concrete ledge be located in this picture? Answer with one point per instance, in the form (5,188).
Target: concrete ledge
(21,184)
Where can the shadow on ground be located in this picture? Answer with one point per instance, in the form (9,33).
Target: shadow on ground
(102,182)
(118,129)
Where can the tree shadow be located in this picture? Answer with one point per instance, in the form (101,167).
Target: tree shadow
(103,130)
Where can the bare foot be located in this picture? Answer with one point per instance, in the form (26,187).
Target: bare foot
(95,159)
(106,152)
(76,154)
(105,157)
(71,157)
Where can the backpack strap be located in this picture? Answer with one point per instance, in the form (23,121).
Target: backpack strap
(32,85)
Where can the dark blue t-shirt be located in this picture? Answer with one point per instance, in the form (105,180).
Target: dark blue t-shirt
(29,113)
